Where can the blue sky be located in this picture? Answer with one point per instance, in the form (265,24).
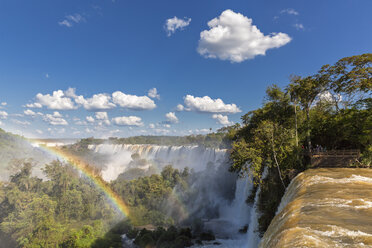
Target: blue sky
(217,72)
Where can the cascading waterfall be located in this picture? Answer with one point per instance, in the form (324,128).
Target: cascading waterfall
(324,208)
(194,157)
(253,238)
(236,222)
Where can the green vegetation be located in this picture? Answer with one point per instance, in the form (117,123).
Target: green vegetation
(67,210)
(331,109)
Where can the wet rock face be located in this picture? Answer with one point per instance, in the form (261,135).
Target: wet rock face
(324,208)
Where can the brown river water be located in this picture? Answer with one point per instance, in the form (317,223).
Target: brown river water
(324,208)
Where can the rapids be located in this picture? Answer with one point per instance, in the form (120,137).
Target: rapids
(324,208)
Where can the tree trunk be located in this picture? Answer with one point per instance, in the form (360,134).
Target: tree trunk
(295,105)
(308,128)
(276,161)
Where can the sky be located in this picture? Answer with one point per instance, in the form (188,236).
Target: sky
(102,68)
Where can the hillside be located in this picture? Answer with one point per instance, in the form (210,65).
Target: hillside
(14,148)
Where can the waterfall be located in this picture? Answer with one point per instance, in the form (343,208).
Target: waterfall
(253,238)
(324,208)
(235,223)
(194,157)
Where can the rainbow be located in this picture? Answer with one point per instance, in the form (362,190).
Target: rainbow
(89,172)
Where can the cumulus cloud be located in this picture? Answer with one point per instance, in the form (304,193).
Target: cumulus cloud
(31,113)
(39,131)
(289,11)
(57,114)
(70,20)
(90,119)
(56,101)
(101,116)
(132,101)
(55,121)
(153,93)
(171,117)
(233,37)
(96,102)
(128,121)
(3,104)
(3,115)
(151,125)
(222,119)
(172,24)
(34,105)
(180,107)
(208,105)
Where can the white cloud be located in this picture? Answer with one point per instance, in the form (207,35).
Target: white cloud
(1,123)
(90,119)
(39,131)
(128,121)
(57,114)
(47,75)
(34,105)
(209,105)
(151,125)
(96,102)
(171,117)
(172,24)
(57,101)
(327,96)
(299,26)
(132,101)
(71,92)
(101,116)
(104,122)
(3,104)
(25,123)
(222,119)
(153,93)
(233,37)
(180,107)
(70,20)
(3,115)
(55,121)
(289,12)
(166,125)
(29,112)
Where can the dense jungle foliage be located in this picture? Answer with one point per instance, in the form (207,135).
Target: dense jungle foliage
(67,210)
(330,110)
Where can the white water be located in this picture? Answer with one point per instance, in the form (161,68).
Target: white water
(232,215)
(179,157)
